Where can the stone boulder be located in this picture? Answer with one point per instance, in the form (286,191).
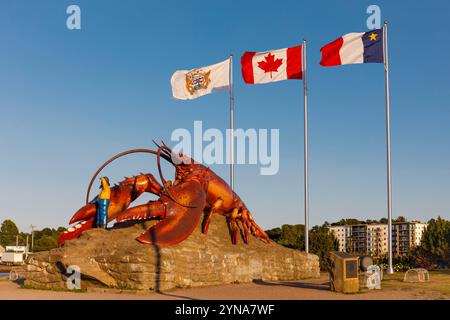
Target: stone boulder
(113,258)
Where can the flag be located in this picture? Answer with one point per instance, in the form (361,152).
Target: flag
(273,65)
(356,47)
(191,84)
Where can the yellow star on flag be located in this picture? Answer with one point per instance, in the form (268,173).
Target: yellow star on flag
(373,36)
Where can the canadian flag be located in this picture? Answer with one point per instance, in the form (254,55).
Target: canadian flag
(273,65)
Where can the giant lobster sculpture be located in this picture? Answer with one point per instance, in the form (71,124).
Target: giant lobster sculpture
(195,190)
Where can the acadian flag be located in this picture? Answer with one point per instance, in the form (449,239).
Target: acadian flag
(271,66)
(356,47)
(191,84)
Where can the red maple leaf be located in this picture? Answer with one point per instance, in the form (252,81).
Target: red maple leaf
(270,64)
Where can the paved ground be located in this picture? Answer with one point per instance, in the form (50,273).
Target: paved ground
(316,289)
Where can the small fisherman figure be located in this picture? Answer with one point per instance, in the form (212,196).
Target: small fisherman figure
(103,203)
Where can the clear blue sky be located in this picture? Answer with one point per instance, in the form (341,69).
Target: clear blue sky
(71,99)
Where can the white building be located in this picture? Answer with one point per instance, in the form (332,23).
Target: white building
(14,255)
(406,235)
(341,233)
(372,239)
(377,239)
(419,230)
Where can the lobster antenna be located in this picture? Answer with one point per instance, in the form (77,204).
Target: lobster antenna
(156,143)
(119,156)
(164,148)
(158,161)
(164,182)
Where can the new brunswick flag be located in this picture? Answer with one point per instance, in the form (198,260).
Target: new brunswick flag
(191,84)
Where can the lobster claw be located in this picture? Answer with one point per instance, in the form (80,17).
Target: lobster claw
(76,231)
(184,206)
(86,212)
(122,195)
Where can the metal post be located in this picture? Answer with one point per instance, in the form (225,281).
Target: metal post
(32,237)
(305,135)
(388,147)
(231,123)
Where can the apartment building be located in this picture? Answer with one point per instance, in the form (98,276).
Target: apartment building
(406,235)
(377,239)
(342,233)
(372,239)
(358,239)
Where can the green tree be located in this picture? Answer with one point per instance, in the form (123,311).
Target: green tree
(46,232)
(61,229)
(435,245)
(8,233)
(321,243)
(274,234)
(46,239)
(399,219)
(348,221)
(44,243)
(293,236)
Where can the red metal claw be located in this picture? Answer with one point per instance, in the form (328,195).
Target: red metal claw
(122,195)
(84,213)
(153,209)
(180,220)
(75,231)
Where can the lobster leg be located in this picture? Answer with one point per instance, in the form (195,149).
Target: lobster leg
(242,218)
(237,223)
(207,220)
(233,225)
(245,224)
(256,230)
(153,209)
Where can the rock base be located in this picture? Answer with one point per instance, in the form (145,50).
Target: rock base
(112,258)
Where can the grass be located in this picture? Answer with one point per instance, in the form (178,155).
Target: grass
(29,287)
(122,287)
(439,282)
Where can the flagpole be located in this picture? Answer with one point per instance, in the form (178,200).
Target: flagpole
(388,147)
(305,141)
(231,123)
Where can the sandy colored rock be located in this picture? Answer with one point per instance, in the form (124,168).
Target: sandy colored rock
(113,258)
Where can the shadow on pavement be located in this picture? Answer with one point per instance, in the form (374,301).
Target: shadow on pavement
(175,296)
(324,286)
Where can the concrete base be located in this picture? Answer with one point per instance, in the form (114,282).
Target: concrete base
(112,258)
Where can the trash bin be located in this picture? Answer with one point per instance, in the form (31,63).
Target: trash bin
(343,270)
